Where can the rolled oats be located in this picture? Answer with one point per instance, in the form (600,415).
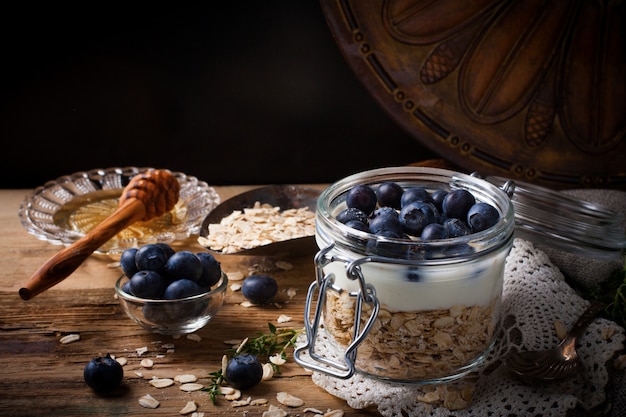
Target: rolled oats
(413,345)
(257,226)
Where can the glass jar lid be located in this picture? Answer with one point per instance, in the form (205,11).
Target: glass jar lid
(563,222)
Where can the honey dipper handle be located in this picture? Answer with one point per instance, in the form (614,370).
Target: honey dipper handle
(61,265)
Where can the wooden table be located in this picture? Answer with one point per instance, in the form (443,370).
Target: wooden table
(42,377)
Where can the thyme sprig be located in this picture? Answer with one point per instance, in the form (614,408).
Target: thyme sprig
(264,345)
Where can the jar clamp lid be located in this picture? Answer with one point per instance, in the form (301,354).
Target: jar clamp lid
(563,222)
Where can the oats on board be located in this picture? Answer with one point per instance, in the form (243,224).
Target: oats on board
(185,378)
(140,351)
(283,318)
(194,337)
(122,361)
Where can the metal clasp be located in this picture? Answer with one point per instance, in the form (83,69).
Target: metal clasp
(340,368)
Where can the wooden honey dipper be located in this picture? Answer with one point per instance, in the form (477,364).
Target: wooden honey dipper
(147,195)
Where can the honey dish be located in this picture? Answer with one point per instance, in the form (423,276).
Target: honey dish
(64,210)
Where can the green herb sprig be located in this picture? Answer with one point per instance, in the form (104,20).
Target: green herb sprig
(264,345)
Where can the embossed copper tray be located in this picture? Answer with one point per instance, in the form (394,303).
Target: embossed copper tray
(529,90)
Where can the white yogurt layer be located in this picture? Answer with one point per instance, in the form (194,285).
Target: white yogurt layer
(409,288)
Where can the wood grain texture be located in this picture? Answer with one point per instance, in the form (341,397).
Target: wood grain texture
(41,376)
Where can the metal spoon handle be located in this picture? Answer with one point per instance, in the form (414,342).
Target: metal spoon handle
(586,318)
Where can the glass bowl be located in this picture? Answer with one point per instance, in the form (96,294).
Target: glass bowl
(173,317)
(64,210)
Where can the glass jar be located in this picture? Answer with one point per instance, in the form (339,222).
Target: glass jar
(406,310)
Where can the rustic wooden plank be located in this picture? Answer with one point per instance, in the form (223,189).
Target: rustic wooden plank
(41,376)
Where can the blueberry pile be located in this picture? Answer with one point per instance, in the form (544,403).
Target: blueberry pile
(415,213)
(156,271)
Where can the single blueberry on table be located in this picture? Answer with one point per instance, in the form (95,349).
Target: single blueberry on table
(244,371)
(482,216)
(363,197)
(103,373)
(259,289)
(389,194)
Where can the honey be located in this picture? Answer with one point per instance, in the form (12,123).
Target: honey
(84,213)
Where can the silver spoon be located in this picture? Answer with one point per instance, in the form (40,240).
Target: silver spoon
(560,362)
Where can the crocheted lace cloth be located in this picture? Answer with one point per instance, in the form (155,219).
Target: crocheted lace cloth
(535,296)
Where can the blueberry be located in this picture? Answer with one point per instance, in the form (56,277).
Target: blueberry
(434,231)
(413,275)
(387,249)
(259,289)
(183,264)
(385,218)
(482,216)
(169,251)
(389,194)
(438,196)
(352,213)
(152,257)
(457,203)
(414,194)
(181,288)
(363,197)
(126,288)
(127,262)
(456,227)
(103,373)
(355,224)
(244,371)
(211,270)
(147,284)
(415,216)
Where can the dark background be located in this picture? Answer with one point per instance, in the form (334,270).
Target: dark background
(230,92)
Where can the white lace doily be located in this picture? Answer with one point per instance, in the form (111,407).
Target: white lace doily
(535,297)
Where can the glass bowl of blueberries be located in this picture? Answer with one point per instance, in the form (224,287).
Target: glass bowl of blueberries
(170,292)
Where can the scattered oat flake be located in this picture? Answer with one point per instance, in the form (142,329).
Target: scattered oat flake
(259,401)
(283,318)
(161,382)
(234,395)
(291,292)
(241,403)
(139,374)
(122,361)
(235,287)
(277,359)
(227,390)
(286,266)
(268,372)
(140,351)
(147,363)
(192,386)
(235,276)
(334,413)
(198,414)
(274,411)
(246,304)
(194,337)
(288,399)
(190,407)
(69,338)
(312,410)
(115,264)
(148,401)
(167,346)
(185,378)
